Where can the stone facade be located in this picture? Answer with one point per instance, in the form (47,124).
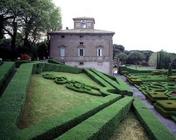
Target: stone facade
(83,46)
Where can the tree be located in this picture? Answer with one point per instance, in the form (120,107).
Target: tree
(31,18)
(135,57)
(40,17)
(163,60)
(122,57)
(117,49)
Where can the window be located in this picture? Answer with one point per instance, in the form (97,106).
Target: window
(83,24)
(81,43)
(62,36)
(99,52)
(62,52)
(81,52)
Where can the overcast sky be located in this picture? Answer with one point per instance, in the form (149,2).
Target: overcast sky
(138,24)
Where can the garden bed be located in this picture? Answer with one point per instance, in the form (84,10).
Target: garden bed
(46,98)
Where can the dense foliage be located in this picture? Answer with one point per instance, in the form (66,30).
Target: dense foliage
(26,21)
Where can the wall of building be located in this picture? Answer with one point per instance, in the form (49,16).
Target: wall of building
(101,66)
(90,44)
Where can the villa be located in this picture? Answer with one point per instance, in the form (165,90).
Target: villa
(83,46)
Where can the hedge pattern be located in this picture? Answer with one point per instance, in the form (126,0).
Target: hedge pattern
(6,71)
(14,97)
(155,129)
(157,86)
(55,126)
(121,87)
(101,125)
(75,85)
(12,101)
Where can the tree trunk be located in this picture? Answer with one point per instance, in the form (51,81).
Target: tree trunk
(13,40)
(1,26)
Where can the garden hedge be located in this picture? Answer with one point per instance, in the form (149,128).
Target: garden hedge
(55,126)
(96,78)
(42,67)
(166,107)
(154,96)
(7,69)
(121,87)
(54,61)
(101,125)
(155,129)
(19,62)
(130,70)
(12,101)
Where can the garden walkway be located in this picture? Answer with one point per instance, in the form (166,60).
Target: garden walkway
(167,122)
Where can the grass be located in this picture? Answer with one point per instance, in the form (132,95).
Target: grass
(130,129)
(45,98)
(138,67)
(82,77)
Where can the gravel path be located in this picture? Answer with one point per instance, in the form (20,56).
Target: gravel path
(167,122)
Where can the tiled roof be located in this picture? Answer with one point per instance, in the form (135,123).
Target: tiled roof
(82,31)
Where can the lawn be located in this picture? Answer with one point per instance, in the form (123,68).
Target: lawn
(130,129)
(45,98)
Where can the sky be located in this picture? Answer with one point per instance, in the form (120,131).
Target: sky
(138,24)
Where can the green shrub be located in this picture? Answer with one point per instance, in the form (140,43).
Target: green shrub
(61,68)
(163,112)
(55,126)
(118,84)
(19,62)
(96,78)
(154,96)
(82,88)
(169,105)
(60,80)
(6,71)
(48,76)
(12,101)
(101,125)
(155,129)
(54,61)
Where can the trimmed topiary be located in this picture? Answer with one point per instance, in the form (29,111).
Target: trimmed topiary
(48,76)
(169,105)
(60,80)
(156,96)
(78,86)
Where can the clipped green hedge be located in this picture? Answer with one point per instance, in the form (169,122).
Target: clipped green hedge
(154,96)
(6,71)
(155,129)
(125,69)
(121,86)
(60,80)
(169,105)
(96,78)
(19,62)
(48,76)
(54,61)
(101,125)
(55,126)
(12,101)
(42,67)
(164,112)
